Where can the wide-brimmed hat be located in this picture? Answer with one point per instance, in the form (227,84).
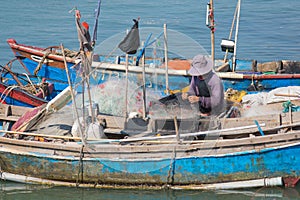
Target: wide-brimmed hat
(200,65)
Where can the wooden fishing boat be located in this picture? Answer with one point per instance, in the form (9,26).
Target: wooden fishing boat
(155,152)
(45,63)
(9,114)
(248,74)
(50,65)
(15,95)
(23,92)
(241,154)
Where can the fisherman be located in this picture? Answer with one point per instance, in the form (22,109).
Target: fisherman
(206,91)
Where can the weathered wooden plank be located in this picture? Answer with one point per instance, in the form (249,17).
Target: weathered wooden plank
(9,118)
(269,120)
(114,122)
(11,110)
(144,147)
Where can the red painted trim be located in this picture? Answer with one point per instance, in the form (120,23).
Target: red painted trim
(37,51)
(290,181)
(22,96)
(41,94)
(272,76)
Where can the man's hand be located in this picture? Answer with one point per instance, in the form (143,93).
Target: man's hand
(193,99)
(184,96)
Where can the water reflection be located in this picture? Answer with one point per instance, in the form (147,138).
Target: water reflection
(16,191)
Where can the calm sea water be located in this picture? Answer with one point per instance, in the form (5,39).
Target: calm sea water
(20,191)
(269,30)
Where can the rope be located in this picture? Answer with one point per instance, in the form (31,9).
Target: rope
(231,30)
(10,88)
(30,82)
(96,68)
(80,167)
(171,169)
(41,63)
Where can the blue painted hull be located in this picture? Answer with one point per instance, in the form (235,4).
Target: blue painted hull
(55,75)
(53,69)
(16,96)
(158,81)
(261,85)
(154,164)
(155,82)
(16,102)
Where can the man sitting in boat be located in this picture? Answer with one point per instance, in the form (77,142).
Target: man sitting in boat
(206,91)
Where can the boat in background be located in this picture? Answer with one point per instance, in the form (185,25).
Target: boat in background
(50,64)
(15,95)
(44,63)
(160,67)
(23,92)
(248,75)
(252,77)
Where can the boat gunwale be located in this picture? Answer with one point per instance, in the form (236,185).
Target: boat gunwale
(141,147)
(38,51)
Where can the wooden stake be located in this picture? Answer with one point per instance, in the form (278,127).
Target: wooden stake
(144,86)
(231,30)
(166,59)
(212,31)
(176,129)
(126,88)
(236,35)
(72,95)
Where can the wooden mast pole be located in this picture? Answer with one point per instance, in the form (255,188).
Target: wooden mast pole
(126,87)
(166,59)
(144,86)
(73,96)
(212,28)
(231,30)
(236,35)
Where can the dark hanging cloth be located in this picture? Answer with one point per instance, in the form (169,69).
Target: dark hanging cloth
(97,13)
(131,42)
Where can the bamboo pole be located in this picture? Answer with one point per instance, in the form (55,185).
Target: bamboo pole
(44,135)
(72,95)
(126,87)
(166,58)
(231,31)
(176,129)
(144,86)
(212,23)
(89,57)
(236,35)
(12,73)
